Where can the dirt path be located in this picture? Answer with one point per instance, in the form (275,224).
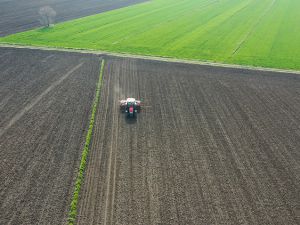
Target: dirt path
(212,146)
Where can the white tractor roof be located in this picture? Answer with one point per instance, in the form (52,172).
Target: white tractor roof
(130,100)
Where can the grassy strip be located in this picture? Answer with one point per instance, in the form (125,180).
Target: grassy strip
(85,152)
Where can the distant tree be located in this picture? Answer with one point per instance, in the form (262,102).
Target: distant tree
(47,16)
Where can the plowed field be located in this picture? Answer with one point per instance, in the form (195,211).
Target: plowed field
(45,101)
(211,146)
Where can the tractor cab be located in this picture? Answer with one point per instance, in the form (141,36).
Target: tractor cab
(130,106)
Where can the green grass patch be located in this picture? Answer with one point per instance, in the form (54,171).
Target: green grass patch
(249,32)
(85,152)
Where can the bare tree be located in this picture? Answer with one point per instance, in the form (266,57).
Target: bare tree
(47,16)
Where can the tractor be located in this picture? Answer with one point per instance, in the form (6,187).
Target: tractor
(131,107)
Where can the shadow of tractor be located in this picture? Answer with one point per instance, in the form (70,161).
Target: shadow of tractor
(130,120)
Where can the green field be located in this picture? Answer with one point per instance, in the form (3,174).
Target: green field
(251,32)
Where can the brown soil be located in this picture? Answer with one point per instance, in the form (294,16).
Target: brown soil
(21,15)
(211,146)
(45,102)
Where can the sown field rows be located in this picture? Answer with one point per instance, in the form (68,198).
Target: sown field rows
(45,101)
(211,146)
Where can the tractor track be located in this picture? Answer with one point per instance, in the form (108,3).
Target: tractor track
(36,100)
(111,174)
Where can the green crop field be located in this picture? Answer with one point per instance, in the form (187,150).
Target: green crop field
(251,32)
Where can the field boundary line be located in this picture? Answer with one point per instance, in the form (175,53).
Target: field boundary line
(80,175)
(149,57)
(30,105)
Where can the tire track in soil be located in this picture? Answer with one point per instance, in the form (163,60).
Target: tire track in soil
(252,28)
(111,174)
(16,82)
(37,99)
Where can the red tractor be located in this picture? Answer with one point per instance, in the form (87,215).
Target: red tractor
(130,106)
